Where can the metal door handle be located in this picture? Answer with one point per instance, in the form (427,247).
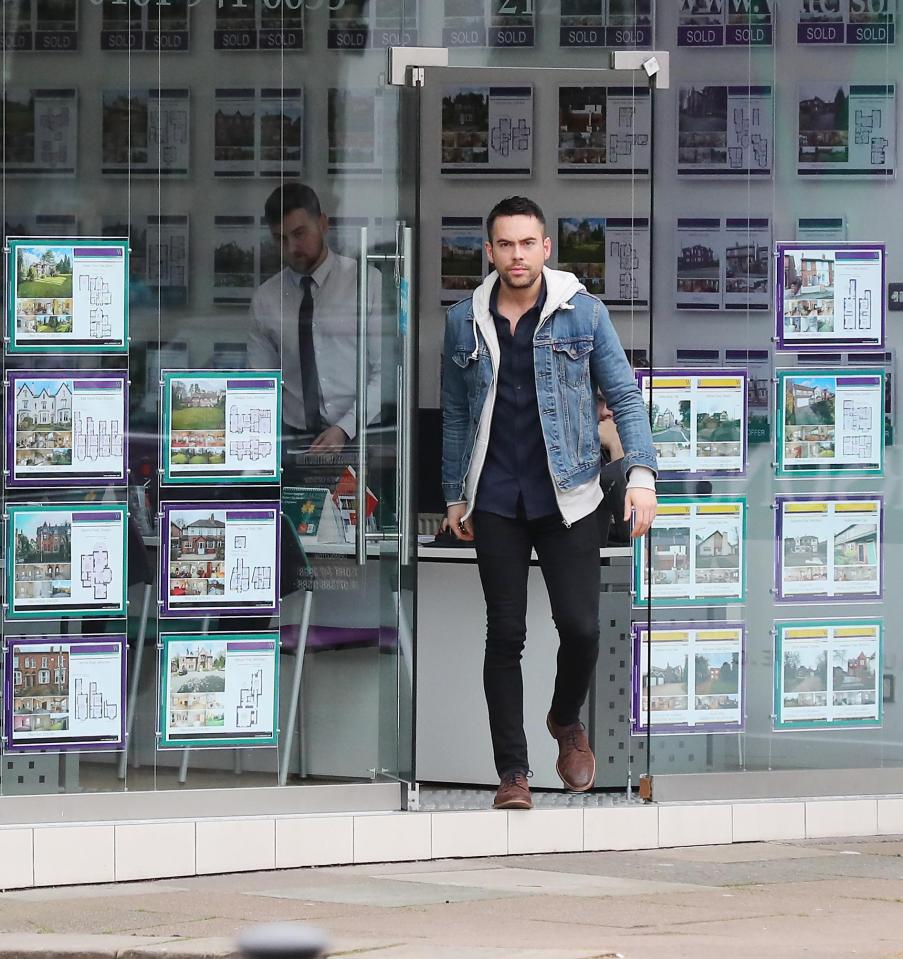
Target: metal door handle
(360,541)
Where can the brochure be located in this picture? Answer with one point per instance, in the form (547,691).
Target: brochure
(219,558)
(698,553)
(463,262)
(66,428)
(696,682)
(146,132)
(487,131)
(604,131)
(830,295)
(219,689)
(830,421)
(698,420)
(353,126)
(67,295)
(40,130)
(68,559)
(65,692)
(827,673)
(221,425)
(609,255)
(258,132)
(829,548)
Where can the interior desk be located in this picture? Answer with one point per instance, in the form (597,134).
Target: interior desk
(453,743)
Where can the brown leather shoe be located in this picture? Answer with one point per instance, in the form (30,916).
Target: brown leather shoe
(576,764)
(513,792)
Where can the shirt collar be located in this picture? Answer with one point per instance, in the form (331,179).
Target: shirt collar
(319,274)
(537,306)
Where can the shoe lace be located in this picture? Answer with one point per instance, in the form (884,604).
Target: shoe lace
(516,778)
(572,736)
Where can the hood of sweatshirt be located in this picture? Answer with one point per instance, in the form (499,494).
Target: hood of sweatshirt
(561,286)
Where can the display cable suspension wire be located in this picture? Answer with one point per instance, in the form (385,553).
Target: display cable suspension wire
(653,84)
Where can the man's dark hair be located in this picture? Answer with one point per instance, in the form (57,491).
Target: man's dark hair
(514,206)
(288,197)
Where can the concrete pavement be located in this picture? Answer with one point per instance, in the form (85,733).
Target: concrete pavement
(827,898)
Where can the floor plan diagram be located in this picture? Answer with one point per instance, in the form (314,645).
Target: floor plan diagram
(857,309)
(247,712)
(252,449)
(627,262)
(98,440)
(244,578)
(509,137)
(96,573)
(856,419)
(92,704)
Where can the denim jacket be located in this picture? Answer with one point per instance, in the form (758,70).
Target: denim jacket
(575,348)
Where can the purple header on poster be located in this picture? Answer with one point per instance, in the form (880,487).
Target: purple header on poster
(759,35)
(86,649)
(858,380)
(249,646)
(700,36)
(828,33)
(97,384)
(112,252)
(251,384)
(857,255)
(249,514)
(95,516)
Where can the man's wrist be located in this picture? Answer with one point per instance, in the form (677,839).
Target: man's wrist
(641,477)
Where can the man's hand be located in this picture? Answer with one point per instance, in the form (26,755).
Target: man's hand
(644,503)
(454,520)
(331,440)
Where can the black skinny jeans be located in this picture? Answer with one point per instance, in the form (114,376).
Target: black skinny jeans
(569,559)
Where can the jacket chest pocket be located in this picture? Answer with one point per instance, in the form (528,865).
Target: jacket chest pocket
(470,368)
(572,360)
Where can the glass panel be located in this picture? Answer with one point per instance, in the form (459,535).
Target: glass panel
(236,498)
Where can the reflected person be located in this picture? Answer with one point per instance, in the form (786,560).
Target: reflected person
(304,320)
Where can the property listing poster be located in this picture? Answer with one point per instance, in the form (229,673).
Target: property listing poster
(688,678)
(40,130)
(847,130)
(698,420)
(275,25)
(463,264)
(829,547)
(41,26)
(66,429)
(723,264)
(494,23)
(67,295)
(353,125)
(358,24)
(720,23)
(828,673)
(821,229)
(221,425)
(830,295)
(606,23)
(33,225)
(219,689)
(725,131)
(830,421)
(609,255)
(219,559)
(64,692)
(159,26)
(604,130)
(146,132)
(487,131)
(158,256)
(856,22)
(68,559)
(698,553)
(234,259)
(258,132)
(757,364)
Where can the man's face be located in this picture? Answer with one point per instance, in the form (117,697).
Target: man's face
(518,250)
(302,238)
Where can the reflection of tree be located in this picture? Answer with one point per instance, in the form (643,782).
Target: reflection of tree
(684,409)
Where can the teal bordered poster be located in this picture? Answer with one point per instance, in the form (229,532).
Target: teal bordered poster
(221,426)
(698,553)
(830,422)
(67,295)
(218,689)
(828,673)
(65,560)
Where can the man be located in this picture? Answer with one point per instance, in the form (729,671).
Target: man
(521,460)
(304,322)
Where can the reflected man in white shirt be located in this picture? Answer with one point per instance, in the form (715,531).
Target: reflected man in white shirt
(304,321)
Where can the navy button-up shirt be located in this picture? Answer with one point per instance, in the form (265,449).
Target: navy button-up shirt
(515,480)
